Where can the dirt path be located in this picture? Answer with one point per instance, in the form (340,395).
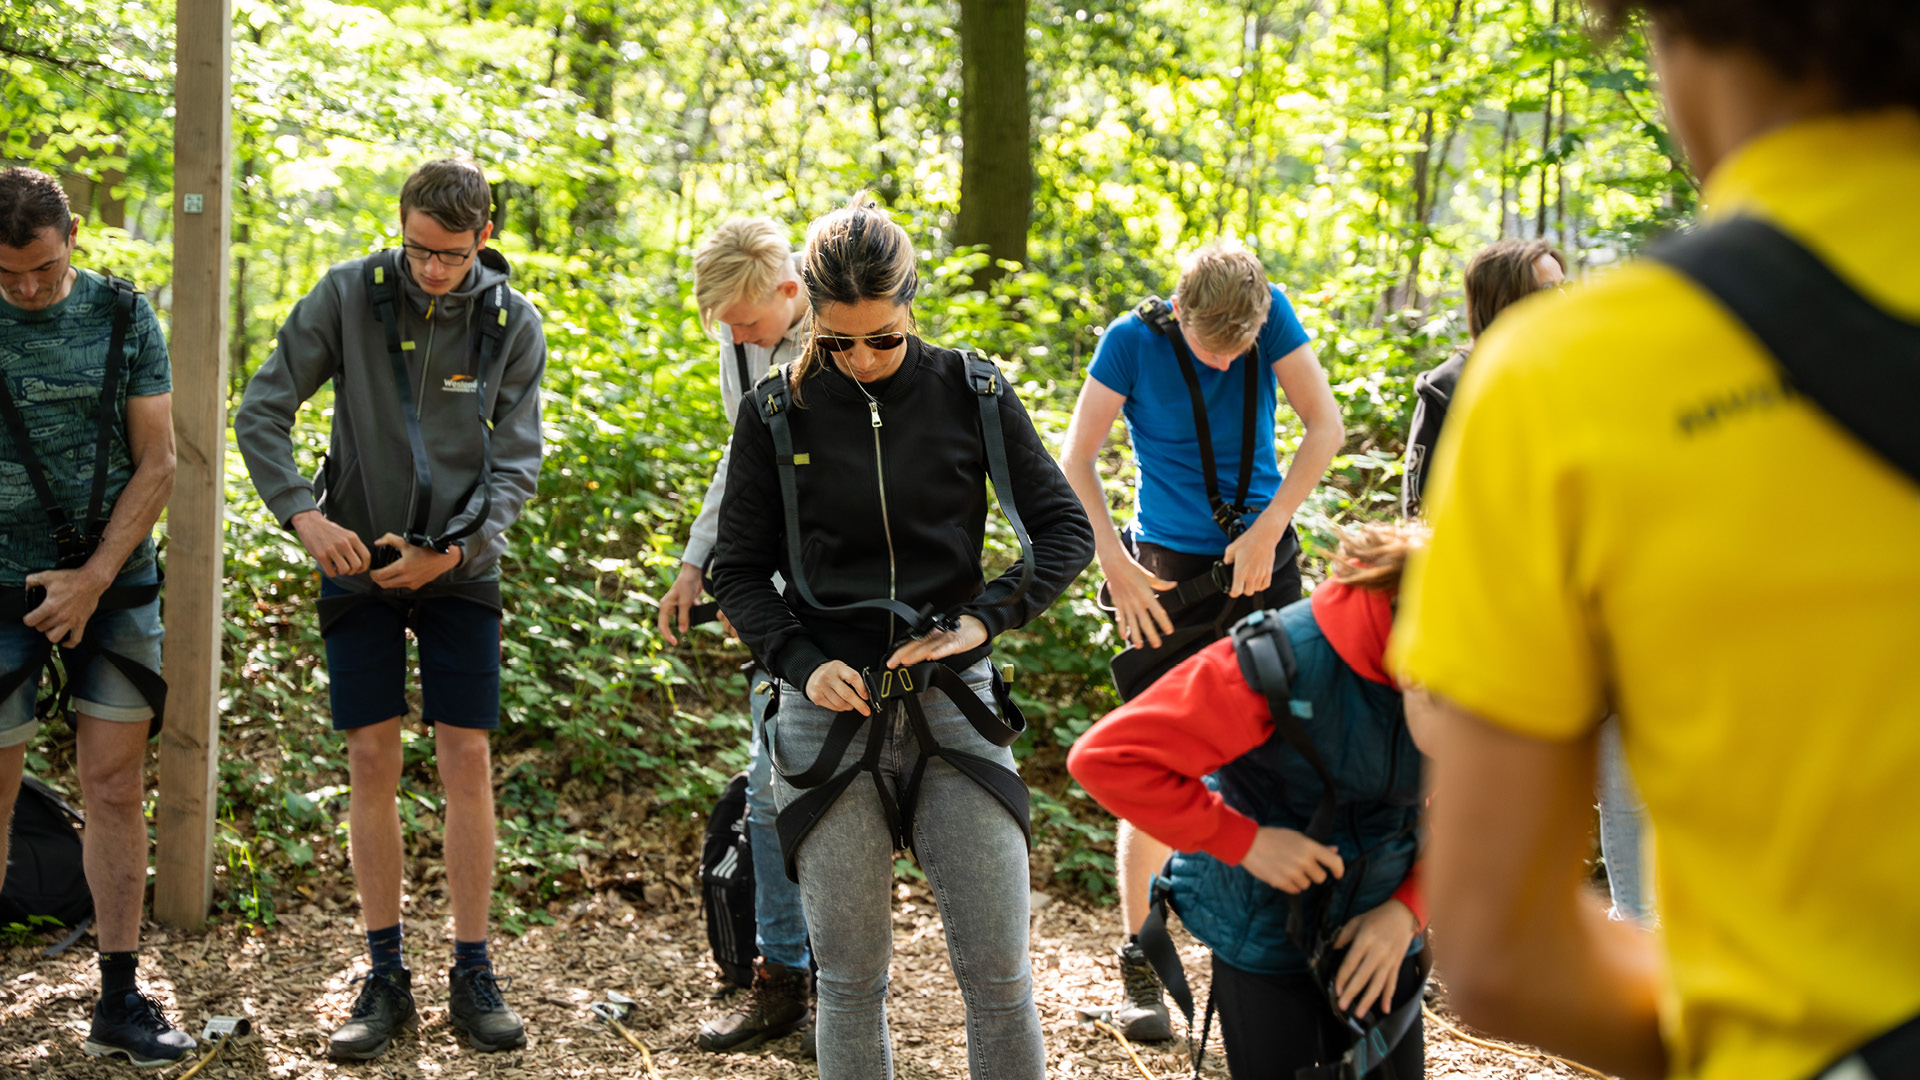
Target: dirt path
(292,980)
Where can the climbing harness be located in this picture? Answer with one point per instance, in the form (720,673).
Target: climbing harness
(1230,516)
(820,785)
(381,276)
(1266,660)
(75,543)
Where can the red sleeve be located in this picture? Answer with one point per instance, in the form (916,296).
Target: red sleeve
(1411,894)
(1144,761)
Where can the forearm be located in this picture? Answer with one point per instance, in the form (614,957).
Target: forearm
(1527,950)
(1085,481)
(1308,467)
(134,515)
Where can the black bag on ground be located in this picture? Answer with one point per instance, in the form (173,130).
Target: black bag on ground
(726,885)
(45,872)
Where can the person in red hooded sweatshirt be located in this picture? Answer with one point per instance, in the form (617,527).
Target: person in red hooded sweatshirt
(1319,812)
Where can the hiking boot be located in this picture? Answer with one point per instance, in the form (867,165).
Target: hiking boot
(479,1013)
(775,1006)
(1144,1017)
(135,1030)
(385,1007)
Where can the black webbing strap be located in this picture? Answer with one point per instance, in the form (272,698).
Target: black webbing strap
(16,602)
(104,417)
(331,609)
(1157,315)
(1858,363)
(984,377)
(823,787)
(73,545)
(1374,1043)
(382,274)
(774,400)
(1892,1055)
(742,369)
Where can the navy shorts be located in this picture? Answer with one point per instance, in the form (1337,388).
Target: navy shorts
(459,642)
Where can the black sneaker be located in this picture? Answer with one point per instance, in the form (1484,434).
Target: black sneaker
(384,1008)
(134,1029)
(1144,1016)
(775,1006)
(479,1014)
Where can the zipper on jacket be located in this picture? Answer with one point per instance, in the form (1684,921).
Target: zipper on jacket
(886,523)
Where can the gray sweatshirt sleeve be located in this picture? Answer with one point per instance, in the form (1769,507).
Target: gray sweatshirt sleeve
(516,440)
(706,527)
(306,354)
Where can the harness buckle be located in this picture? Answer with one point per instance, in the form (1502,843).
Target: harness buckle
(1229,517)
(1222,576)
(72,547)
(889,683)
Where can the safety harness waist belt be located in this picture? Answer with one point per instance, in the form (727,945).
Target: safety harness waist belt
(774,400)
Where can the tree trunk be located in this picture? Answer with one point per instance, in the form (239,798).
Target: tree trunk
(996,153)
(592,66)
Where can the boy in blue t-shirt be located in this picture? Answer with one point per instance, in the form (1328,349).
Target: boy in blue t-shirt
(1227,333)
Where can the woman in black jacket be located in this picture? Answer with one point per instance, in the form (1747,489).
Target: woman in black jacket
(890,727)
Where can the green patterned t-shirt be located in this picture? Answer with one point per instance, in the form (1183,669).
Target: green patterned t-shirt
(54,362)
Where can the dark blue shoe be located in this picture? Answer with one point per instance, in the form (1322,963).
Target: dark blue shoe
(135,1030)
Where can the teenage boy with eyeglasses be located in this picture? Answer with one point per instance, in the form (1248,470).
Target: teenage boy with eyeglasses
(746,284)
(407,521)
(57,327)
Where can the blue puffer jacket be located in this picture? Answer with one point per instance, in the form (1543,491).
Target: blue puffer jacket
(1360,729)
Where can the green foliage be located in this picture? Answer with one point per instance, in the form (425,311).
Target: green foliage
(1364,149)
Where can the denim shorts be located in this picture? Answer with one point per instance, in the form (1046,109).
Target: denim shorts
(459,643)
(102,690)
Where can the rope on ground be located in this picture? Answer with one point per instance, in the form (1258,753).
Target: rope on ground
(1124,1045)
(1508,1048)
(213,1051)
(646,1057)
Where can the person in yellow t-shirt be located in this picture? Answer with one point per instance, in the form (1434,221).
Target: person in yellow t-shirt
(1630,512)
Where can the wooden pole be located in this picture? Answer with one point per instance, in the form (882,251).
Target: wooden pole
(190,744)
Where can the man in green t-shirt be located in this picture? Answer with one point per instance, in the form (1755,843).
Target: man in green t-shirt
(77,568)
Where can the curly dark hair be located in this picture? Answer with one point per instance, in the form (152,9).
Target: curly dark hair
(1867,50)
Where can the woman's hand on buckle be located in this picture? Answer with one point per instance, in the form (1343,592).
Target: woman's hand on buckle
(964,633)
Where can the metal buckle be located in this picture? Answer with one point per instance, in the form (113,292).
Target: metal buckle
(889,683)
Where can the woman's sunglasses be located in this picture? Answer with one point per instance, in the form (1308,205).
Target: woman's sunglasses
(876,342)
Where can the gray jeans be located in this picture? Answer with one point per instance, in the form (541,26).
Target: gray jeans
(975,860)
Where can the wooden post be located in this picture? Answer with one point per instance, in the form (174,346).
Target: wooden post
(190,744)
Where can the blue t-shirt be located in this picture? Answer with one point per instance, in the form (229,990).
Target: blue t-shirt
(1170,503)
(54,361)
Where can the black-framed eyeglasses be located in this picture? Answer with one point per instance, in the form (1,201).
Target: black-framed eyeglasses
(892,339)
(420,253)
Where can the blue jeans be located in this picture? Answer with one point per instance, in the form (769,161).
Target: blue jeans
(781,929)
(1622,817)
(101,691)
(975,860)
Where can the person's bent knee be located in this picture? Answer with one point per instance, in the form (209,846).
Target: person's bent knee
(464,758)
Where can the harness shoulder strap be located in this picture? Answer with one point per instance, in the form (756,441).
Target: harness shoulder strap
(381,275)
(107,416)
(490,336)
(984,376)
(742,369)
(1858,363)
(1158,315)
(774,398)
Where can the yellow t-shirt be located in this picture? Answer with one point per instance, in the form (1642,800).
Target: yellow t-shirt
(1629,512)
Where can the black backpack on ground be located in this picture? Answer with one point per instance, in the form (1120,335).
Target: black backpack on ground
(726,885)
(45,874)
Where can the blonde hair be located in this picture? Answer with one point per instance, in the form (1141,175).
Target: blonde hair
(744,259)
(1374,555)
(1223,295)
(855,253)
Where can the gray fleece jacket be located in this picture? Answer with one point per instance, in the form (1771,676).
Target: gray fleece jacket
(334,333)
